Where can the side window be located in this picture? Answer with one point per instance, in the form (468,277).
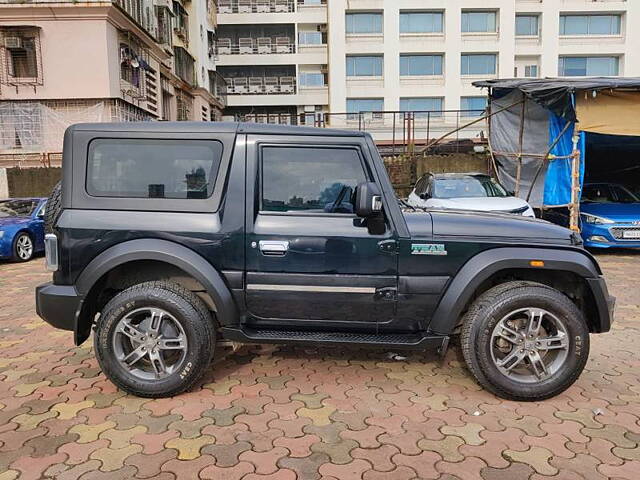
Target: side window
(312,180)
(420,185)
(145,168)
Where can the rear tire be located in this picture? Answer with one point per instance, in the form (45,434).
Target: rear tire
(512,358)
(155,339)
(53,208)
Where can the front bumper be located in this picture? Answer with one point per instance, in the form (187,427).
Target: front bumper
(605,303)
(58,305)
(600,236)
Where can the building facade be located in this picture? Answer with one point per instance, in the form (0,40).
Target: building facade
(411,55)
(63,62)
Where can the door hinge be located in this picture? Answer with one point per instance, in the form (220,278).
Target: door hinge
(388,246)
(386,293)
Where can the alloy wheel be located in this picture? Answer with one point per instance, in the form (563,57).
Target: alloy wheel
(529,345)
(24,247)
(149,343)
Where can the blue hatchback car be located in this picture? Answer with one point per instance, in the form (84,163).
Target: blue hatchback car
(610,216)
(21,228)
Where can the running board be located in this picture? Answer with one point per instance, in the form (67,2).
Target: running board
(411,341)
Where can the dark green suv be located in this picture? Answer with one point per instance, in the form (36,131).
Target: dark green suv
(169,237)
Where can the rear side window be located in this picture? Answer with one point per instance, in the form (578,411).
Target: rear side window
(146,168)
(312,180)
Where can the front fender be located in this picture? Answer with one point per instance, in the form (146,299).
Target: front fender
(164,251)
(489,262)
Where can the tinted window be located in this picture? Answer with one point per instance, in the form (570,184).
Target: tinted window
(527,25)
(321,180)
(420,65)
(588,66)
(361,66)
(473,106)
(153,168)
(467,187)
(478,64)
(17,208)
(422,105)
(590,25)
(478,22)
(364,22)
(421,22)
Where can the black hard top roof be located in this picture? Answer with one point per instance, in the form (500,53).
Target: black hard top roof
(214,127)
(555,94)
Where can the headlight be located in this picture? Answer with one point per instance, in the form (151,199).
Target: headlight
(595,220)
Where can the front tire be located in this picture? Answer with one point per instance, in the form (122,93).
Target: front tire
(524,341)
(154,339)
(23,247)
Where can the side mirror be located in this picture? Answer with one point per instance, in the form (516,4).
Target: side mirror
(425,196)
(368,200)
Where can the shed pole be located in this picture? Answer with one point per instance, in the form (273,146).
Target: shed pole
(520,146)
(574,210)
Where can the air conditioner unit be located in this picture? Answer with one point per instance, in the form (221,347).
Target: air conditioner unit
(322,28)
(324,68)
(13,42)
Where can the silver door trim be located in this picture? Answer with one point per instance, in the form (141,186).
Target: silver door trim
(310,288)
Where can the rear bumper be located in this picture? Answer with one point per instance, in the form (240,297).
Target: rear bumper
(58,305)
(605,303)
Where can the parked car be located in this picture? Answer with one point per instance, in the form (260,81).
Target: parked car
(466,191)
(168,237)
(21,228)
(610,215)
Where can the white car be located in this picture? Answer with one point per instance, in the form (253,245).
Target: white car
(466,191)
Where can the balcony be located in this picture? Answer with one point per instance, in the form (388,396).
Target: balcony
(255,6)
(259,46)
(218,87)
(261,85)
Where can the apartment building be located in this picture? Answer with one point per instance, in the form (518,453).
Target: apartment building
(273,55)
(412,55)
(63,61)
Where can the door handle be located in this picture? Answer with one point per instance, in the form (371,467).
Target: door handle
(274,248)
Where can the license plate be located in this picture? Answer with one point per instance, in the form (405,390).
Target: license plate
(631,234)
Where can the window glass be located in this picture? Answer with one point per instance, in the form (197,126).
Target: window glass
(527,25)
(420,65)
(467,187)
(623,195)
(17,208)
(22,62)
(364,22)
(310,38)
(311,79)
(473,106)
(531,71)
(479,22)
(153,168)
(421,22)
(361,66)
(355,105)
(478,64)
(422,105)
(588,66)
(590,24)
(320,180)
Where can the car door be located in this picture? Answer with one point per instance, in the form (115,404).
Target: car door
(310,260)
(37,225)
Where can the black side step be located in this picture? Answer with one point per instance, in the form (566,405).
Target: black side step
(412,341)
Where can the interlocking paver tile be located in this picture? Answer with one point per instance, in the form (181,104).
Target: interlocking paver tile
(148,466)
(468,469)
(515,471)
(214,472)
(189,448)
(447,448)
(298,447)
(379,457)
(537,457)
(348,471)
(227,455)
(423,464)
(400,473)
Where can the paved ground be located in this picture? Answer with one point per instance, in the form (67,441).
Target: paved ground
(311,413)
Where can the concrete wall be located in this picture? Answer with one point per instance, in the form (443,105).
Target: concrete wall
(31,182)
(4,185)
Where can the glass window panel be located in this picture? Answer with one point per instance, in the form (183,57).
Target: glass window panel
(474,106)
(355,105)
(311,79)
(422,104)
(361,66)
(527,25)
(588,66)
(479,22)
(420,65)
(153,168)
(421,22)
(531,71)
(478,64)
(364,22)
(320,180)
(590,24)
(310,38)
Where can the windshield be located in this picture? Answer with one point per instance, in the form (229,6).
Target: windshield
(607,194)
(17,208)
(467,187)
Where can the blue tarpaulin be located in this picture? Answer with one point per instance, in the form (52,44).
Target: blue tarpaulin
(557,186)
